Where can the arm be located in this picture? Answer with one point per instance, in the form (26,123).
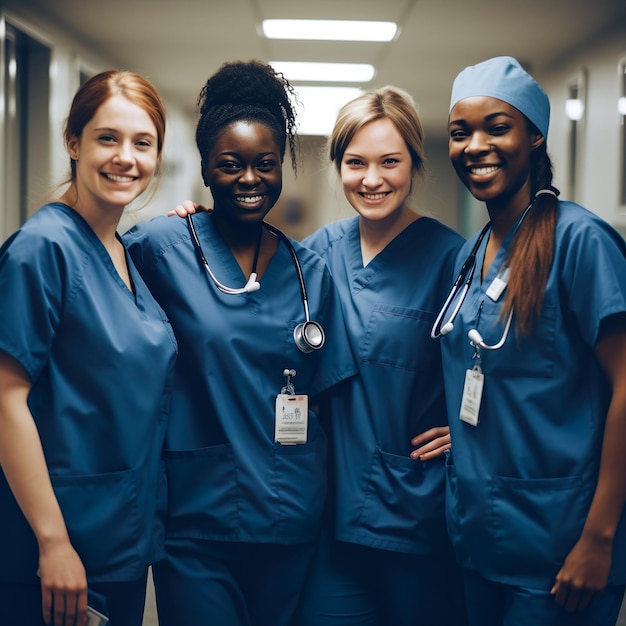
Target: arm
(431,443)
(63,580)
(586,568)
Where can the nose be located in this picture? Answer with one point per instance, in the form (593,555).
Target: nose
(372,177)
(477,144)
(249,176)
(124,153)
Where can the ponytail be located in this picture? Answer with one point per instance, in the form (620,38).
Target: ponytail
(532,251)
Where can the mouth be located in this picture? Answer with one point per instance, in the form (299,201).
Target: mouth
(374,197)
(118,178)
(249,199)
(483,170)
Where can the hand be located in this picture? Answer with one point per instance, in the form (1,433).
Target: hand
(63,585)
(431,443)
(187,208)
(584,573)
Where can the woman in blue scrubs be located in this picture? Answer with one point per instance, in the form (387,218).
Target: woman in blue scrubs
(534,352)
(245,454)
(384,557)
(86,362)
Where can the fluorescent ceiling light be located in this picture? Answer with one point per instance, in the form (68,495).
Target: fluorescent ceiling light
(330,30)
(319,107)
(325,72)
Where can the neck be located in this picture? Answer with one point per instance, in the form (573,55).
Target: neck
(376,234)
(504,215)
(103,222)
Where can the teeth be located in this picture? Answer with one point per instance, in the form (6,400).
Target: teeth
(249,199)
(120,179)
(482,171)
(374,196)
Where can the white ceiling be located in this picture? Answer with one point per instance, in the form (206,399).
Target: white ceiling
(179,43)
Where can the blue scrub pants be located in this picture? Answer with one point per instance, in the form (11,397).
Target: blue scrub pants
(496,604)
(20,605)
(230,583)
(352,585)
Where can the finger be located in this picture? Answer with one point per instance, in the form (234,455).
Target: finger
(573,597)
(58,609)
(46,602)
(70,609)
(585,599)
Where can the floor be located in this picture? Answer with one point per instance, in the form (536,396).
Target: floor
(150,617)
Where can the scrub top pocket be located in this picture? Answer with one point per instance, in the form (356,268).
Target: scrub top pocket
(399,337)
(536,522)
(405,497)
(203,493)
(103,519)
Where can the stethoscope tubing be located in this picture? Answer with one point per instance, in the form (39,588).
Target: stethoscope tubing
(300,332)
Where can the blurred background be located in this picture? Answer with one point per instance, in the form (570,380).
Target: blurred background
(575,48)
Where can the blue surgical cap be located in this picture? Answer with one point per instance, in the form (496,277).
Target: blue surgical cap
(504,78)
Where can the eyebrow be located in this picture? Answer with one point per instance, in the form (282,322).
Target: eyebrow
(487,117)
(384,156)
(109,129)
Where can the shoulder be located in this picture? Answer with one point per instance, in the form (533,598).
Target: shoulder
(327,236)
(580,227)
(156,237)
(437,234)
(51,233)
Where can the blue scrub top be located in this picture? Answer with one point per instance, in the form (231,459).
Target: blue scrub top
(521,481)
(384,498)
(101,362)
(228,480)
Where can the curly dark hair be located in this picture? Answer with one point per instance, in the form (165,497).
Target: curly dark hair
(251,91)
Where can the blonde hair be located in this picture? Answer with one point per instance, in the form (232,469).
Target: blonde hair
(387,102)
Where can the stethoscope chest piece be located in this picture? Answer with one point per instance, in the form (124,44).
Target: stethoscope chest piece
(309,336)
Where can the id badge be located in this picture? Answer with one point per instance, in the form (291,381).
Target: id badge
(497,287)
(292,419)
(472,395)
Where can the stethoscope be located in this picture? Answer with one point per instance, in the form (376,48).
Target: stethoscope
(308,335)
(461,287)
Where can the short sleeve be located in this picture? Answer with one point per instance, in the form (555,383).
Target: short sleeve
(32,294)
(593,275)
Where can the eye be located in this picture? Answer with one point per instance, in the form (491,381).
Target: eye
(390,162)
(143,143)
(266,165)
(228,166)
(353,162)
(499,129)
(106,138)
(457,133)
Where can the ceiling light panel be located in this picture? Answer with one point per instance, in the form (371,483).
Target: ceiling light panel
(330,30)
(325,72)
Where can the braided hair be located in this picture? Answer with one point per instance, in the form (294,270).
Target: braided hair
(249,91)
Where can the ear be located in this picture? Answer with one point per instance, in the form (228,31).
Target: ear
(72,148)
(536,139)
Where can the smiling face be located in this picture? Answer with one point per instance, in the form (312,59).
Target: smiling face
(489,146)
(116,156)
(244,172)
(376,170)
